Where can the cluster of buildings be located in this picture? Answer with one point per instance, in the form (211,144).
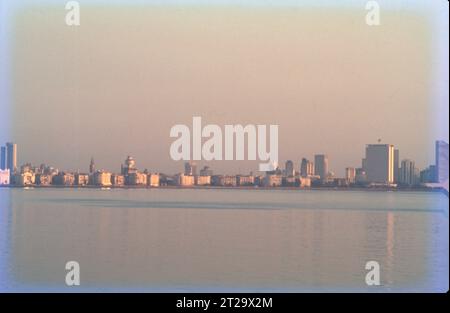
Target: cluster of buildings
(381,166)
(44,175)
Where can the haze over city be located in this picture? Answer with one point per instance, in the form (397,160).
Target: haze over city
(115,85)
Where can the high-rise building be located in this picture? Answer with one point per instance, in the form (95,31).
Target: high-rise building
(321,166)
(289,169)
(306,168)
(3,158)
(428,175)
(379,163)
(407,173)
(396,165)
(350,174)
(129,167)
(11,156)
(92,166)
(441,161)
(360,176)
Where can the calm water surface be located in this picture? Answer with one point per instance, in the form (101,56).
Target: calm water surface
(222,240)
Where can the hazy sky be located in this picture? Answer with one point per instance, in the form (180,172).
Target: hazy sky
(115,85)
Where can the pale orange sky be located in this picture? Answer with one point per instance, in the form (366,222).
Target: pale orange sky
(116,84)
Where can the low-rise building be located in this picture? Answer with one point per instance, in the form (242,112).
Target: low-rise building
(245,180)
(4,177)
(81,179)
(273,181)
(153,180)
(117,180)
(25,179)
(224,180)
(137,179)
(203,180)
(63,179)
(44,179)
(102,178)
(304,182)
(185,180)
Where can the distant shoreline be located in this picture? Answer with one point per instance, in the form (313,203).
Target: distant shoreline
(421,189)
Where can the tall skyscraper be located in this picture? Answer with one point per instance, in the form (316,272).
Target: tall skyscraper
(379,163)
(396,165)
(3,158)
(321,166)
(92,166)
(407,173)
(11,156)
(306,168)
(289,169)
(350,174)
(441,155)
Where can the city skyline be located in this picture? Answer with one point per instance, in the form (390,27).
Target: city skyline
(381,164)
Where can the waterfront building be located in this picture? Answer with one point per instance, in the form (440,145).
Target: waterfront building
(273,180)
(289,168)
(63,179)
(102,178)
(11,157)
(153,180)
(117,180)
(185,180)
(2,158)
(81,179)
(4,177)
(44,179)
(25,179)
(396,165)
(129,167)
(306,168)
(441,155)
(360,176)
(321,166)
(428,175)
(203,180)
(245,180)
(224,180)
(229,180)
(136,179)
(304,182)
(259,180)
(407,174)
(379,163)
(350,175)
